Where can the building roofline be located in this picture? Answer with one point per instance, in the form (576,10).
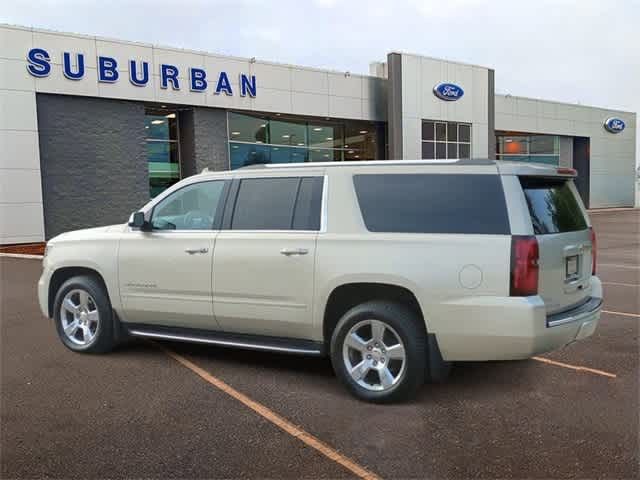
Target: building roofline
(558,102)
(186,50)
(441,59)
(289,65)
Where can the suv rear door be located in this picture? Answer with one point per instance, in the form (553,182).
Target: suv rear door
(561,227)
(264,258)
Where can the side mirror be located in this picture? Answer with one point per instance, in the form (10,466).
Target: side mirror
(138,221)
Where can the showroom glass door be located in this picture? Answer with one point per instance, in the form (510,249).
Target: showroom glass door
(163,149)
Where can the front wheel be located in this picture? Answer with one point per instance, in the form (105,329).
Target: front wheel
(83,316)
(379,351)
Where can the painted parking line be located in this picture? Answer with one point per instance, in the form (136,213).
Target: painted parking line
(274,418)
(624,314)
(612,209)
(634,285)
(587,369)
(617,265)
(575,367)
(21,255)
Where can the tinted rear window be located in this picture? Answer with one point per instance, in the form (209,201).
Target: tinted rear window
(306,215)
(553,206)
(432,203)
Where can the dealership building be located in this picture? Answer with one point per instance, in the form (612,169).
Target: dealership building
(91,128)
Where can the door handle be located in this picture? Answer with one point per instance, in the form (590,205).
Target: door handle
(294,251)
(192,251)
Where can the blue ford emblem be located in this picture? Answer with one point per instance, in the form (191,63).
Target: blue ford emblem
(614,125)
(448,92)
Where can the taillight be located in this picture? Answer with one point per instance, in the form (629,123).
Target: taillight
(567,171)
(592,234)
(524,266)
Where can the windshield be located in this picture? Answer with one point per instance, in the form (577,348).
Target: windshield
(553,206)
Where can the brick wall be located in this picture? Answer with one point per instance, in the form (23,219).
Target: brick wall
(210,136)
(93,161)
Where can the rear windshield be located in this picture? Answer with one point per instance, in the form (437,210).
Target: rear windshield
(553,206)
(432,203)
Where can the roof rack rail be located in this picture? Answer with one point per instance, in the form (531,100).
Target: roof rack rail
(364,163)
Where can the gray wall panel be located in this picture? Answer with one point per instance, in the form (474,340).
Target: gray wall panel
(491,114)
(210,148)
(93,161)
(566,152)
(187,143)
(394,106)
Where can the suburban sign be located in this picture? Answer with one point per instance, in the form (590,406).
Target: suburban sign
(448,91)
(614,125)
(108,71)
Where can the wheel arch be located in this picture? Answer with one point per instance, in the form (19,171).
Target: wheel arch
(347,295)
(62,274)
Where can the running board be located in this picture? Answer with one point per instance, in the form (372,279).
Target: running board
(223,339)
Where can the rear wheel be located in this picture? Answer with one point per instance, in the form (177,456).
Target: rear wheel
(83,316)
(378,350)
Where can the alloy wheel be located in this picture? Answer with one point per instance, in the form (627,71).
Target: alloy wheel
(80,317)
(374,355)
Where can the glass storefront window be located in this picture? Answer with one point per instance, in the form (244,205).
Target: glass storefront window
(162,176)
(464,133)
(428,131)
(464,150)
(243,154)
(452,140)
(528,148)
(288,133)
(246,128)
(515,146)
(362,140)
(277,139)
(326,136)
(288,154)
(161,127)
(544,145)
(324,155)
(428,150)
(163,150)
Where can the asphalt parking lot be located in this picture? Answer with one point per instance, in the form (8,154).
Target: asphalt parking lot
(140,413)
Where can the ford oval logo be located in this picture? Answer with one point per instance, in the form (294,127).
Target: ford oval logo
(448,92)
(614,125)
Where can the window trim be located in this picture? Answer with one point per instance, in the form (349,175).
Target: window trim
(232,197)
(217,218)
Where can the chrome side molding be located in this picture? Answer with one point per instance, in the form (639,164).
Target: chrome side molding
(211,340)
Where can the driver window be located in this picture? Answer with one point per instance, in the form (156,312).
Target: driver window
(190,208)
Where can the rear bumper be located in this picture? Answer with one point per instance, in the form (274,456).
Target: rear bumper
(584,311)
(511,328)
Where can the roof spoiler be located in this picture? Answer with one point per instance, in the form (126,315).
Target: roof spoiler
(523,169)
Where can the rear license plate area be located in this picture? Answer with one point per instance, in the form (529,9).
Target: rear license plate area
(572,270)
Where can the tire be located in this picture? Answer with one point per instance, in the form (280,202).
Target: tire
(90,309)
(402,378)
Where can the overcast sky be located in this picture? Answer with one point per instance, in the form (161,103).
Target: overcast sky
(583,51)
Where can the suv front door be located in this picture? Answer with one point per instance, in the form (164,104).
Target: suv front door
(165,274)
(264,258)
